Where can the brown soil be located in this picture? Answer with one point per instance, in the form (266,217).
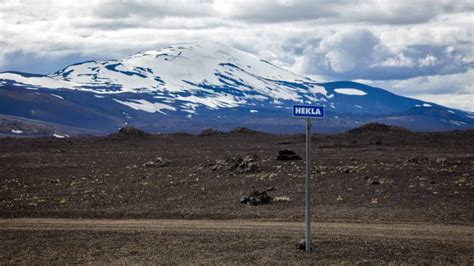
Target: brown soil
(228,242)
(363,180)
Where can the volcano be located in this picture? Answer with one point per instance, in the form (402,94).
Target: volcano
(190,87)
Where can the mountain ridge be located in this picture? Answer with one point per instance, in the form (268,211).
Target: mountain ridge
(195,86)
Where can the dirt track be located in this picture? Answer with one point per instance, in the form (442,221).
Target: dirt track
(409,231)
(229,241)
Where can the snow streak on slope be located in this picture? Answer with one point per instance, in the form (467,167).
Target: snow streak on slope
(349,91)
(146,106)
(40,81)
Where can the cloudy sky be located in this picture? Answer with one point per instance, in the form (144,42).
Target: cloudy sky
(416,48)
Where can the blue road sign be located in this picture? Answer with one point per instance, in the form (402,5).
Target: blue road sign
(308,111)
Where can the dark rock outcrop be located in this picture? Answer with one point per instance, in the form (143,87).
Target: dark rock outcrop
(287,155)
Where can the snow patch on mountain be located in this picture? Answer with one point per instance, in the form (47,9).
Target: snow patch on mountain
(350,91)
(211,102)
(457,123)
(146,106)
(318,89)
(40,81)
(179,69)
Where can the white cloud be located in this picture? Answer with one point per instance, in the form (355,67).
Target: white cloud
(153,9)
(399,60)
(349,49)
(454,90)
(361,54)
(456,101)
(397,43)
(429,60)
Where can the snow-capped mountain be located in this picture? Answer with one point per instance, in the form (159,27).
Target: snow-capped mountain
(195,86)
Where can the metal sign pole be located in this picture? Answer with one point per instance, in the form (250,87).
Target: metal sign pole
(308,181)
(308,112)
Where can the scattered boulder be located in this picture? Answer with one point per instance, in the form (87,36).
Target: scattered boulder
(242,164)
(62,200)
(162,162)
(302,245)
(251,168)
(287,155)
(148,164)
(418,159)
(256,198)
(375,182)
(158,162)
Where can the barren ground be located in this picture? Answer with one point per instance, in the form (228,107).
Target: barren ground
(378,197)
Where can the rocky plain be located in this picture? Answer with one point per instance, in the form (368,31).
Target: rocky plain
(239,196)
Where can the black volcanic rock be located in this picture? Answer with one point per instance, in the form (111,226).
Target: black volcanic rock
(287,155)
(243,164)
(129,132)
(210,132)
(244,130)
(377,128)
(256,198)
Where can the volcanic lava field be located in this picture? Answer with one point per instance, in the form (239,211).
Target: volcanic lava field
(380,195)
